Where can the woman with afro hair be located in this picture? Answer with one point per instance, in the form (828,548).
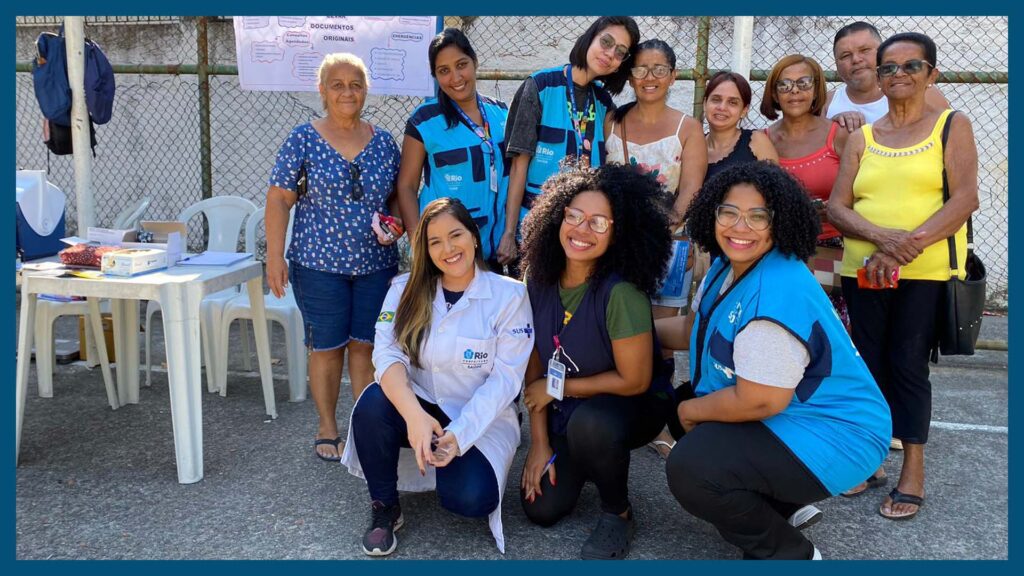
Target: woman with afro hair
(595,246)
(786,413)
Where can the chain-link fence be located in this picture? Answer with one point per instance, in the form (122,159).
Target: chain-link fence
(153,145)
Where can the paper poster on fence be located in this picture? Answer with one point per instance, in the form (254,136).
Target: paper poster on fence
(283,53)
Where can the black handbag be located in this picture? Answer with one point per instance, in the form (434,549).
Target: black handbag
(960,317)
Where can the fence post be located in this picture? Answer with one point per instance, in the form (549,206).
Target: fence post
(202,71)
(700,66)
(742,38)
(74,31)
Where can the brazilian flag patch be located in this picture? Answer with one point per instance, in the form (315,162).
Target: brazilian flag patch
(386,316)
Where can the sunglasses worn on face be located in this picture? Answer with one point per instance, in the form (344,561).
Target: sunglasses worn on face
(599,224)
(357,184)
(659,71)
(608,42)
(756,218)
(787,85)
(909,67)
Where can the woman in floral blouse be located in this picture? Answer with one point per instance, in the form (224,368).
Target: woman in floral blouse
(338,266)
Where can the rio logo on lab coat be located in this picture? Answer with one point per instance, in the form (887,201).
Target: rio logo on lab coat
(472,359)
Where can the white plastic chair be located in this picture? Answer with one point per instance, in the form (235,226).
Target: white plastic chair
(47,312)
(282,310)
(225,216)
(129,218)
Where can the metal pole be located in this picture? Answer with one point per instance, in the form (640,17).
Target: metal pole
(202,71)
(742,42)
(74,33)
(700,66)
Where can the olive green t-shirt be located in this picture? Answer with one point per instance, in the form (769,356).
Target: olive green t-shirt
(628,313)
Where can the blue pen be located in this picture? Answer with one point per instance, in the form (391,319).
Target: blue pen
(548,465)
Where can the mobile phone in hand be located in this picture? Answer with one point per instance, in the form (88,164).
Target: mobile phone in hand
(865,283)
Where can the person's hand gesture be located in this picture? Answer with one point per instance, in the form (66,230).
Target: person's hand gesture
(277,275)
(446,448)
(537,459)
(422,428)
(536,396)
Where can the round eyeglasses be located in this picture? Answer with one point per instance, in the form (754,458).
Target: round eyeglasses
(756,218)
(658,70)
(599,224)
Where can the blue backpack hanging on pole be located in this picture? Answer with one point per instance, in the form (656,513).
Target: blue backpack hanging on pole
(53,91)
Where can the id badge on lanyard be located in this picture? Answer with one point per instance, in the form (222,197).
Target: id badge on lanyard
(484,133)
(579,119)
(556,373)
(556,378)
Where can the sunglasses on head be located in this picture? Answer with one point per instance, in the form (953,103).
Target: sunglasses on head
(658,70)
(599,224)
(608,42)
(787,85)
(909,67)
(357,184)
(756,218)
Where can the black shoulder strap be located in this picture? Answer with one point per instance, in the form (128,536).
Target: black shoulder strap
(951,241)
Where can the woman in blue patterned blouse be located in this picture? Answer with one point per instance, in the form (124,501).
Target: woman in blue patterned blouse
(338,266)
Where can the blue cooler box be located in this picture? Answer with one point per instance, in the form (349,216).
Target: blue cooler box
(40,213)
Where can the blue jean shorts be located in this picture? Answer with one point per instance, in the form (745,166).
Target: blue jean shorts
(337,308)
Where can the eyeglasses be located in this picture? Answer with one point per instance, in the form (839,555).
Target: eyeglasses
(909,67)
(357,184)
(599,224)
(608,42)
(641,72)
(756,218)
(786,86)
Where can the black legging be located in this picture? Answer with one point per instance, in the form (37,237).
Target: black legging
(742,479)
(600,435)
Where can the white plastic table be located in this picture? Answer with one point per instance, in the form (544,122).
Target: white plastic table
(179,290)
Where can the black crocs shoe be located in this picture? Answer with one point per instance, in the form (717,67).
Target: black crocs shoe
(610,539)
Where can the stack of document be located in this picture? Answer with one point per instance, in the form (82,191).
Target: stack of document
(213,258)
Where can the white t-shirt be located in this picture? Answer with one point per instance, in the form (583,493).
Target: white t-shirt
(764,352)
(872,111)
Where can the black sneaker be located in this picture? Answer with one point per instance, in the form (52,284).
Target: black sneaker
(379,539)
(610,539)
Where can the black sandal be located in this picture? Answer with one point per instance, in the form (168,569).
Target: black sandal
(328,442)
(902,498)
(874,481)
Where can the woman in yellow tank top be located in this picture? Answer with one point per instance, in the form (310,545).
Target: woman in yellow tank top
(887,201)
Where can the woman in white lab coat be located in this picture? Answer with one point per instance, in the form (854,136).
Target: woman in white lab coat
(451,349)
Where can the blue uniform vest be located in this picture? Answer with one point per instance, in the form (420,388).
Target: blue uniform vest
(555,135)
(585,339)
(457,166)
(838,424)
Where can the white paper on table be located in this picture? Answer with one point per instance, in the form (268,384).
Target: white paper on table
(72,240)
(42,266)
(213,258)
(109,236)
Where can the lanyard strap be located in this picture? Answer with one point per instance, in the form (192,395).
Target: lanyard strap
(578,119)
(484,133)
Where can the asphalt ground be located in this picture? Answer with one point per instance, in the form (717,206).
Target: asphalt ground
(96,483)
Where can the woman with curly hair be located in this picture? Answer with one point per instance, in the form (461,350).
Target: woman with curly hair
(595,247)
(786,413)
